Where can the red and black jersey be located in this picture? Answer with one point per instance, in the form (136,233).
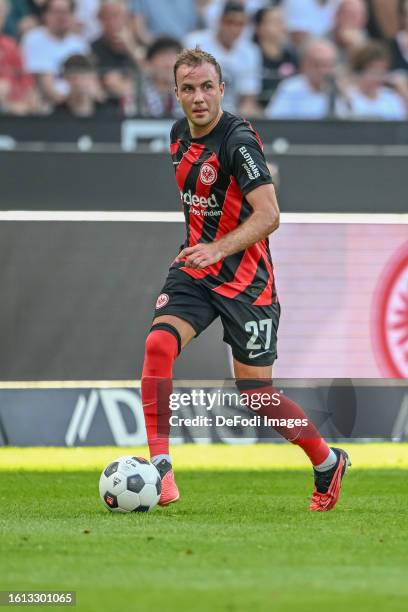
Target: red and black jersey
(214,174)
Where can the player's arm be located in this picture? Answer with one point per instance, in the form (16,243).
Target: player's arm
(262,222)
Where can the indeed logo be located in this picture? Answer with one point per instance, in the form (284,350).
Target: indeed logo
(198,201)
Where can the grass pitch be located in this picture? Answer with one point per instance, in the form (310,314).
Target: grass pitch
(240,539)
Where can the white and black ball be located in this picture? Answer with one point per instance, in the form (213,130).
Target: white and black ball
(130,484)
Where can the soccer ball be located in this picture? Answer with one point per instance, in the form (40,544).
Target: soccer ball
(130,484)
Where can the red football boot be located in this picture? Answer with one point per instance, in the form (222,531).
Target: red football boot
(328,484)
(169,492)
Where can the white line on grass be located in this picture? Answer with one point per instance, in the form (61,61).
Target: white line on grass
(178,217)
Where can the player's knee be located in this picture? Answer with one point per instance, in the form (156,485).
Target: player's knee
(163,343)
(156,348)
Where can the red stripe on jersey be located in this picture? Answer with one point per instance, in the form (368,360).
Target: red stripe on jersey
(190,156)
(202,190)
(256,134)
(174,146)
(244,274)
(228,222)
(265,298)
(231,210)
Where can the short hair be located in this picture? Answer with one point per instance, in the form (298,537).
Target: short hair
(371,52)
(163,43)
(78,63)
(233,6)
(196,57)
(104,4)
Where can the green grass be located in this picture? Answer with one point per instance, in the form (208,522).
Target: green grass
(240,539)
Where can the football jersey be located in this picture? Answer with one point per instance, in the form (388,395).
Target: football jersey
(214,174)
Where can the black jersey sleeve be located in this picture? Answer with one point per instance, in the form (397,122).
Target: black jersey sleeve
(172,138)
(178,130)
(246,159)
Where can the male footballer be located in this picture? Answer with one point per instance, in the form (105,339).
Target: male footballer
(224,270)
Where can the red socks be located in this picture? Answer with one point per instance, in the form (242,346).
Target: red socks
(162,348)
(305,436)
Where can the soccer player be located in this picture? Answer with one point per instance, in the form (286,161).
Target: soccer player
(224,269)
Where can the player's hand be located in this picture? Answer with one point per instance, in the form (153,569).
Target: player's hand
(200,255)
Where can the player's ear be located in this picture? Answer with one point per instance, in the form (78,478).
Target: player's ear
(222,89)
(176,92)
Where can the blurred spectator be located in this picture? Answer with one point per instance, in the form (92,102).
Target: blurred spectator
(399,44)
(117,55)
(158,97)
(279,61)
(211,10)
(307,18)
(46,48)
(383,18)
(87,22)
(349,32)
(175,18)
(23,16)
(313,94)
(85,96)
(17,93)
(370,98)
(240,59)
(26,14)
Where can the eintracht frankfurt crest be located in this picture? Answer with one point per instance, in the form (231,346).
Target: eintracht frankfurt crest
(208,174)
(162,300)
(390,321)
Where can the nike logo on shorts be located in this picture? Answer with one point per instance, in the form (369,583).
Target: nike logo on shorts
(255,355)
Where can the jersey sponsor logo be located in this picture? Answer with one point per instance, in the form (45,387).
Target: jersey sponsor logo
(250,166)
(208,174)
(390,320)
(200,205)
(162,300)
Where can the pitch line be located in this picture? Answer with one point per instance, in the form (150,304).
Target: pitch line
(178,217)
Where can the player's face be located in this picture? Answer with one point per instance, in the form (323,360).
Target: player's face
(200,93)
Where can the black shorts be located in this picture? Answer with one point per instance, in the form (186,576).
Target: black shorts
(250,330)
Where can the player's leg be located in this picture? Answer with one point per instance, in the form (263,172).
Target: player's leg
(254,380)
(329,464)
(167,336)
(182,312)
(251,332)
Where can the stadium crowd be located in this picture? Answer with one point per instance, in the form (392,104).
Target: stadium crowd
(305,59)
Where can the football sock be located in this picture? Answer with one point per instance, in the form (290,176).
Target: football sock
(305,436)
(328,463)
(162,349)
(157,458)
